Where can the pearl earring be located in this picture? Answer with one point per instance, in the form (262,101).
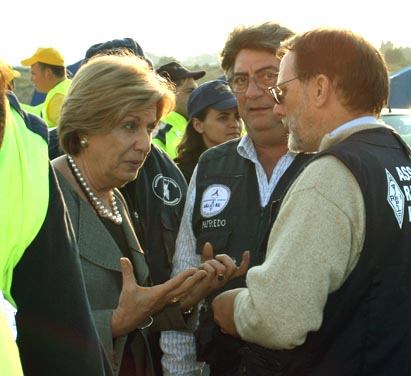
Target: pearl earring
(83,142)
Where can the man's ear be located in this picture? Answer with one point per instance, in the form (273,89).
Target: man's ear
(322,88)
(48,73)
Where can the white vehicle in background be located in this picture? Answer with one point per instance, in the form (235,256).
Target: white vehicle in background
(400,120)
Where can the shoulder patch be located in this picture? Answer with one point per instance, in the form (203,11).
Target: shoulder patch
(395,198)
(167,190)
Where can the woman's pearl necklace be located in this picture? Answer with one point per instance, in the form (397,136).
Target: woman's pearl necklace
(101,210)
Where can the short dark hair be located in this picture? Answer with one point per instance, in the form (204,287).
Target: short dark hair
(357,69)
(265,36)
(57,70)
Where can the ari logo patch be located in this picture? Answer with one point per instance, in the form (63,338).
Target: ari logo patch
(167,190)
(395,198)
(215,199)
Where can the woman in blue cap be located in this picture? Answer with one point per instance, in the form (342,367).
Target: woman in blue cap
(213,119)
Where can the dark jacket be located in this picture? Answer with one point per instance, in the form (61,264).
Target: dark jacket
(100,260)
(156,202)
(366,323)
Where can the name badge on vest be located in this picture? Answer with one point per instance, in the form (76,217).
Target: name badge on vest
(215,199)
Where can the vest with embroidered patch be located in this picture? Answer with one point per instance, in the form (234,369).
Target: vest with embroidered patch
(228,214)
(365,328)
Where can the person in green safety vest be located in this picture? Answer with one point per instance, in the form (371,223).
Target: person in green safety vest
(9,354)
(171,128)
(48,73)
(46,326)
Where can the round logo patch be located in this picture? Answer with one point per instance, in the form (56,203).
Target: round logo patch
(167,190)
(215,199)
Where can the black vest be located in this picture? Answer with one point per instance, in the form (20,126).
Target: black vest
(228,214)
(156,202)
(366,328)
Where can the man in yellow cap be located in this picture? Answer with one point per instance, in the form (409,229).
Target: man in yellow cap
(48,73)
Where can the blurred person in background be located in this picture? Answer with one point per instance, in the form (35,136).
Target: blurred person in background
(212,119)
(171,129)
(49,75)
(11,75)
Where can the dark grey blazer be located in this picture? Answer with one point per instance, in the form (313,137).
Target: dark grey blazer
(100,261)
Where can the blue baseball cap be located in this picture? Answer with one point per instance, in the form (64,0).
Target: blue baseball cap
(214,94)
(114,45)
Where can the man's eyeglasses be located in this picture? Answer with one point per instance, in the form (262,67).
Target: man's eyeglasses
(263,79)
(277,93)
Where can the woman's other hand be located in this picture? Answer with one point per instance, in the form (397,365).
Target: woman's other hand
(220,270)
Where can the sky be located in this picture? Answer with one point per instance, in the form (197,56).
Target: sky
(184,28)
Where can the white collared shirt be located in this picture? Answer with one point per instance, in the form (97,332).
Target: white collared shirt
(354,123)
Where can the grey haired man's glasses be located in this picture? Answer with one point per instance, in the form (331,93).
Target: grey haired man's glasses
(277,93)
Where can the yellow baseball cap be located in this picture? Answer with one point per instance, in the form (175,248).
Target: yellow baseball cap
(46,55)
(9,73)
(12,73)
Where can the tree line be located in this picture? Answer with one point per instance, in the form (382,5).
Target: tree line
(396,58)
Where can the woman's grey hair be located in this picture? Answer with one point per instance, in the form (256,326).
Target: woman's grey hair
(103,91)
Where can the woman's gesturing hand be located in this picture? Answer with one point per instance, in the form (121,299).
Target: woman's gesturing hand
(136,303)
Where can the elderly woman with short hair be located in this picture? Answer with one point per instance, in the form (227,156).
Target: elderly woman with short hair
(105,129)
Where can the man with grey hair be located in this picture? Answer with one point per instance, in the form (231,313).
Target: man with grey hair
(332,296)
